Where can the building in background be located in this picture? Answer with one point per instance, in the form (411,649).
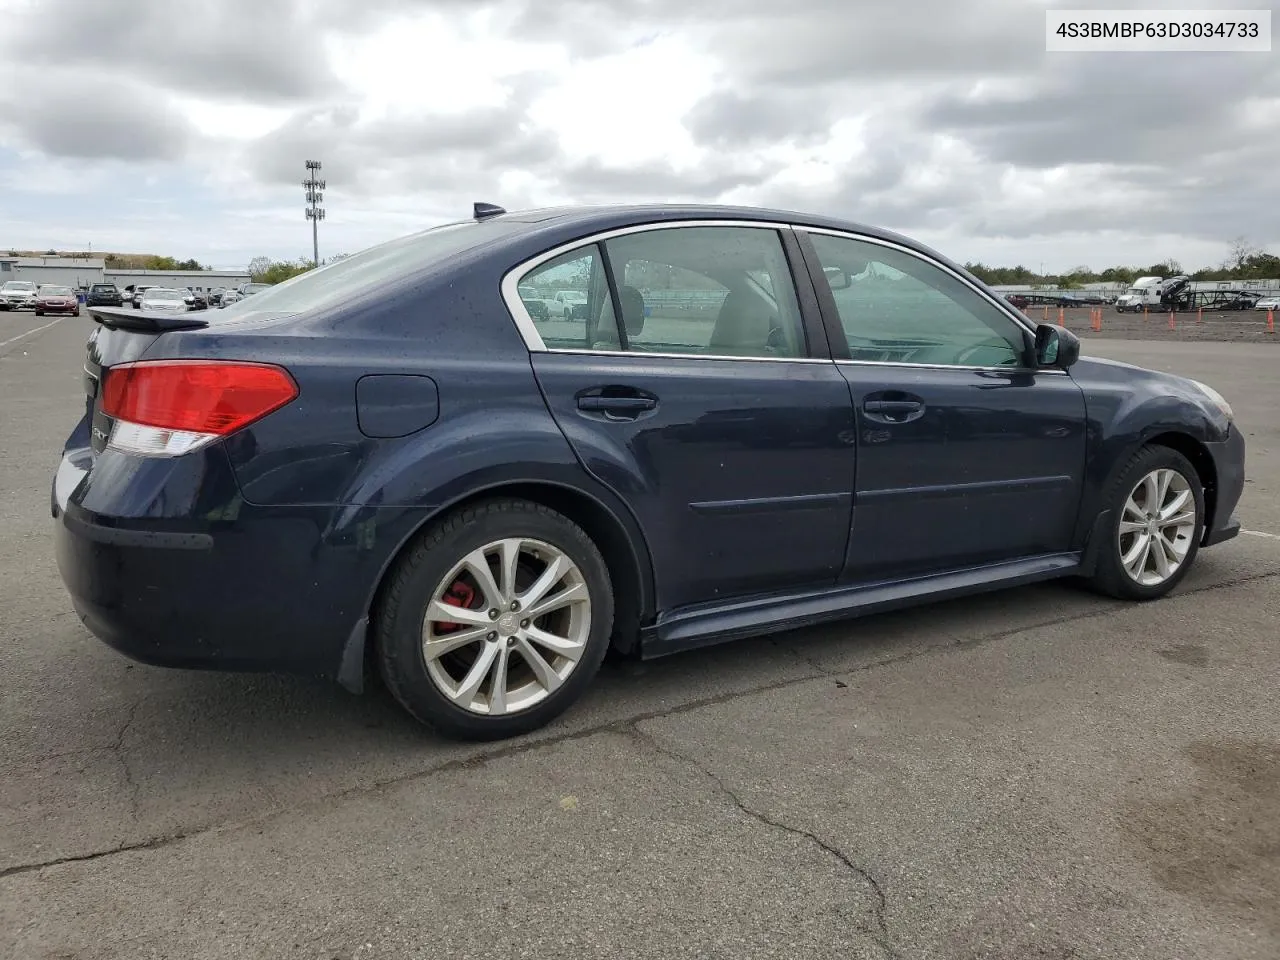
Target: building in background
(67,271)
(201,280)
(84,271)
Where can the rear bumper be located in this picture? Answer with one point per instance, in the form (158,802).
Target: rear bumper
(216,583)
(1228,460)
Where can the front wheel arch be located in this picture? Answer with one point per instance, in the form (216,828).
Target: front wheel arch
(1202,460)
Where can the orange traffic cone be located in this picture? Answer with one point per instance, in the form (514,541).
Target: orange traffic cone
(1271,321)
(1171,320)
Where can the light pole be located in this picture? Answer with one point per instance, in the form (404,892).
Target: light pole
(315,213)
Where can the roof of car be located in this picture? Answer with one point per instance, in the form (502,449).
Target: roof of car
(558,224)
(603,215)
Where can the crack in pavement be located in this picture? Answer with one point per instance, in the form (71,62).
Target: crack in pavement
(879,934)
(117,749)
(519,747)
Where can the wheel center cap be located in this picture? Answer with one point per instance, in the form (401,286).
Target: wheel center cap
(507,624)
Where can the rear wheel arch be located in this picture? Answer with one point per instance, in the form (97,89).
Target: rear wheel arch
(625,552)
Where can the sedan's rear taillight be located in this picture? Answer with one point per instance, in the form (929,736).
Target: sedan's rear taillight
(171,407)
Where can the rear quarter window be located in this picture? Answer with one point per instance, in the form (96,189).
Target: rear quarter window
(350,278)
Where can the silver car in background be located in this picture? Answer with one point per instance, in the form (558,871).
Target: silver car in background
(165,299)
(18,295)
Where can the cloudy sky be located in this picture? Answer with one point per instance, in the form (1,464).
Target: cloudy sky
(181,128)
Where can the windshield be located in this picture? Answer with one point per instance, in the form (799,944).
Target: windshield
(21,286)
(104,287)
(361,272)
(49,291)
(161,293)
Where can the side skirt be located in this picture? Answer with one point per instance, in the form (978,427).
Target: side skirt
(707,624)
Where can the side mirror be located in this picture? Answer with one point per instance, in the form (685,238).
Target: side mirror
(1056,346)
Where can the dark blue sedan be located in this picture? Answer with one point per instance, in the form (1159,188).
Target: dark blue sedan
(760,420)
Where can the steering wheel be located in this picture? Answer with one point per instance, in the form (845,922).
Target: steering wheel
(995,343)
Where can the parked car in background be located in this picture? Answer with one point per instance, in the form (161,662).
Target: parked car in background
(249,289)
(18,295)
(163,299)
(104,295)
(482,504)
(228,297)
(54,298)
(1018,301)
(571,304)
(1268,303)
(138,292)
(215,296)
(196,300)
(1233,300)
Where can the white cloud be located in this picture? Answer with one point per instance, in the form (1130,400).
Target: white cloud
(949,122)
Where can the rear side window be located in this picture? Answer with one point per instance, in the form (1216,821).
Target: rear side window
(568,300)
(705,291)
(364,271)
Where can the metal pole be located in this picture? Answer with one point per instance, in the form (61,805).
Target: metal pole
(314,212)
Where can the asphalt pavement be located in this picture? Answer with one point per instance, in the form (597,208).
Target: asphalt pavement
(1039,773)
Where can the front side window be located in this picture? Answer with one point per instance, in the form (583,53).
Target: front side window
(896,307)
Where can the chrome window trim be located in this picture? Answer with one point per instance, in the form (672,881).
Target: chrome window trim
(640,355)
(952,366)
(529,332)
(534,343)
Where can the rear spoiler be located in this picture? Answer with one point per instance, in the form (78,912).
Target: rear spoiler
(126,318)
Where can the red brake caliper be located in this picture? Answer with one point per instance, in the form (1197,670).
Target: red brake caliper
(459,594)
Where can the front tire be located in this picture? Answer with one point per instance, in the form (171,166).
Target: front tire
(1157,506)
(495,621)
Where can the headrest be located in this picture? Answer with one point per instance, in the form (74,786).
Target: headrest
(632,303)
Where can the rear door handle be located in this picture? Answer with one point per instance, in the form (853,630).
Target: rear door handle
(893,411)
(617,404)
(625,407)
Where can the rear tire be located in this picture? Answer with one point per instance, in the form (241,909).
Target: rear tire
(1157,507)
(39,313)
(446,671)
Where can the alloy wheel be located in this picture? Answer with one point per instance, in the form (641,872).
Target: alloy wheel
(506,626)
(1157,525)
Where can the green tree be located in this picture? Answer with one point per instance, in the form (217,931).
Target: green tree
(278,271)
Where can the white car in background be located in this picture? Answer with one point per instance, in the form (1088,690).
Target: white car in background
(164,298)
(1268,303)
(571,304)
(18,295)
